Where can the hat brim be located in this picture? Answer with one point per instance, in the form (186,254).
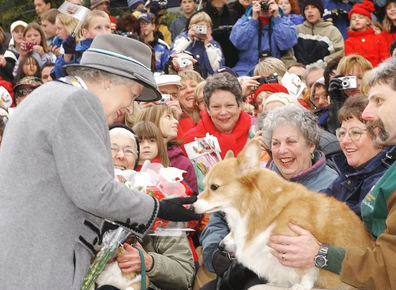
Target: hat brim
(123,68)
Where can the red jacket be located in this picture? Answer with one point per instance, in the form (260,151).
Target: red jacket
(390,37)
(234,141)
(371,46)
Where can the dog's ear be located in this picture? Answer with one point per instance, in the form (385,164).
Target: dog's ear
(229,154)
(249,158)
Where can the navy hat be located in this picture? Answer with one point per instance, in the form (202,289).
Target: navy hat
(148,17)
(317,3)
(226,69)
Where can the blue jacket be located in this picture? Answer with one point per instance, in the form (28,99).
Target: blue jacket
(209,57)
(161,50)
(353,185)
(316,178)
(60,62)
(244,36)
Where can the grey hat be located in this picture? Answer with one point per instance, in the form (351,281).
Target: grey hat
(124,57)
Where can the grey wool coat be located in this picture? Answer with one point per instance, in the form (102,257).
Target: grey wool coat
(56,186)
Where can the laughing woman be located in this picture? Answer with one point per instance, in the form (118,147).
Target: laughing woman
(361,164)
(291,134)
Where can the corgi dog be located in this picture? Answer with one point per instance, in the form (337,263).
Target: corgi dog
(259,202)
(112,275)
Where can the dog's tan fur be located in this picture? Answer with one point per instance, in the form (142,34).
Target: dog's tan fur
(256,200)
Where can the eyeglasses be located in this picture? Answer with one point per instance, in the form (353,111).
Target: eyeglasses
(23,92)
(354,133)
(128,152)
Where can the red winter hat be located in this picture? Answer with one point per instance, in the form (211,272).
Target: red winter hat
(272,87)
(365,8)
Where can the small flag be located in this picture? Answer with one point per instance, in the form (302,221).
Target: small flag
(77,11)
(5,97)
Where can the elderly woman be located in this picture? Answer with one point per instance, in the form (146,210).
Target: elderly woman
(168,259)
(66,184)
(360,166)
(291,134)
(224,118)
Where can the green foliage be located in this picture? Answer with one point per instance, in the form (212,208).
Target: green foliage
(170,16)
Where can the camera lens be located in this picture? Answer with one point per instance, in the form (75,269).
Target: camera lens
(264,6)
(345,84)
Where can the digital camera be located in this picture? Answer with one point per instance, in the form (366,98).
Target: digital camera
(349,82)
(165,98)
(29,45)
(183,62)
(57,41)
(269,80)
(201,29)
(264,6)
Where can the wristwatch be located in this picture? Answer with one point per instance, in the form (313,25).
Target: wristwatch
(321,258)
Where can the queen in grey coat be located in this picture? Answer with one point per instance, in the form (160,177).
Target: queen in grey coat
(56,169)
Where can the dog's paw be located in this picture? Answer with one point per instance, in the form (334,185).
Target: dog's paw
(299,287)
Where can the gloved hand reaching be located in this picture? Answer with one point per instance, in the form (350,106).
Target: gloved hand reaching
(69,44)
(173,210)
(335,89)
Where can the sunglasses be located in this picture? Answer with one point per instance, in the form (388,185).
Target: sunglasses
(23,92)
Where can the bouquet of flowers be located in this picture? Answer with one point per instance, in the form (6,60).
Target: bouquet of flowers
(154,180)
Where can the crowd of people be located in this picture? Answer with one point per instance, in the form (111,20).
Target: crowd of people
(313,81)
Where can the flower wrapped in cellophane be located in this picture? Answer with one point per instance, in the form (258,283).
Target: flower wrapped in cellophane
(152,179)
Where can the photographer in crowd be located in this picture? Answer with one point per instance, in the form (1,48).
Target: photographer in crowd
(198,40)
(276,34)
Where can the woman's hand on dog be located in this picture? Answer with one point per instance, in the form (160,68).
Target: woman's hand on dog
(295,252)
(131,262)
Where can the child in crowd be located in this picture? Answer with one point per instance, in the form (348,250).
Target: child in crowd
(35,44)
(16,40)
(199,41)
(150,36)
(7,59)
(311,46)
(46,72)
(179,24)
(152,146)
(96,22)
(29,66)
(102,5)
(291,10)
(361,37)
(48,19)
(389,22)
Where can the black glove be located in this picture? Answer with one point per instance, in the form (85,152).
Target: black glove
(220,262)
(334,90)
(173,210)
(69,44)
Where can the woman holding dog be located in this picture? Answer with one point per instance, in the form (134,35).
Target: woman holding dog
(291,133)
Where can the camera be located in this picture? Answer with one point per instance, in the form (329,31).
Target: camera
(165,98)
(29,45)
(201,29)
(269,80)
(163,4)
(183,62)
(349,82)
(57,41)
(264,6)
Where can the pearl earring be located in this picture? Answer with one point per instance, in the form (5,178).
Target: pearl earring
(107,89)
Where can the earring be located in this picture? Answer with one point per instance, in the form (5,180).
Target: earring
(312,155)
(107,89)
